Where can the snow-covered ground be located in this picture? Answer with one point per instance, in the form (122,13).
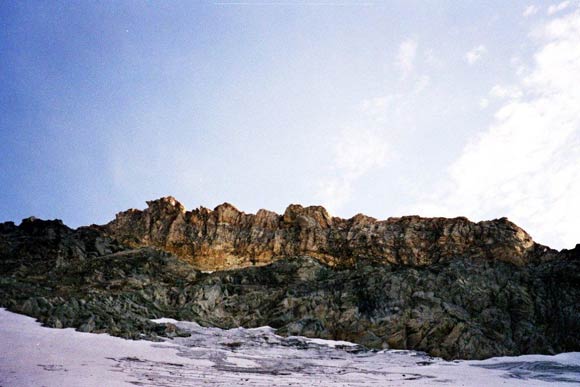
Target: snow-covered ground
(32,355)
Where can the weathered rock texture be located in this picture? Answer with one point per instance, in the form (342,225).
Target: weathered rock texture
(226,238)
(449,287)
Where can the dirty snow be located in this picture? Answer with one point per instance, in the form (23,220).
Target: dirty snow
(33,355)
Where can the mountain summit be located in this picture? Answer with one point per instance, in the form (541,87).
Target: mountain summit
(227,238)
(449,287)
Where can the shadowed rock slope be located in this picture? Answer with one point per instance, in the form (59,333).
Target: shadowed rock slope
(449,287)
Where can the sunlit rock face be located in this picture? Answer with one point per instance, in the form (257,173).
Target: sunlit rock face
(227,238)
(449,287)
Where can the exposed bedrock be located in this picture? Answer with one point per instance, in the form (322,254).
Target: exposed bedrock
(227,238)
(450,287)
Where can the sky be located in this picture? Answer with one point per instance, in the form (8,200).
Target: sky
(387,108)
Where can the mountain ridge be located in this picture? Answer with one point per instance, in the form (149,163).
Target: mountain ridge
(449,287)
(226,238)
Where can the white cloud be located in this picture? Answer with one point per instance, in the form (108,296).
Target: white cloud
(475,54)
(505,92)
(430,57)
(356,152)
(519,66)
(363,147)
(334,192)
(558,7)
(483,103)
(376,108)
(526,165)
(406,56)
(530,10)
(421,84)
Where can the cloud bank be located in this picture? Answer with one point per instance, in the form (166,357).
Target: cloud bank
(526,164)
(558,7)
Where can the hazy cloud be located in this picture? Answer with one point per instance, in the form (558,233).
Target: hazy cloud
(421,84)
(530,10)
(503,92)
(483,103)
(356,152)
(376,108)
(475,54)
(334,192)
(406,56)
(558,7)
(525,164)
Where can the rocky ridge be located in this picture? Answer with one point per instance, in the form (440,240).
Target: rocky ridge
(227,238)
(449,287)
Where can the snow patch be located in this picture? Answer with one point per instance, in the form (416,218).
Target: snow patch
(36,355)
(332,343)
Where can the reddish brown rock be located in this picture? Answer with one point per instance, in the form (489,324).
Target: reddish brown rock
(227,238)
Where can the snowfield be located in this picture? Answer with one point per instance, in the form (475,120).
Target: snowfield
(33,355)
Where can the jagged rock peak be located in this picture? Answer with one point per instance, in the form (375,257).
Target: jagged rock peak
(166,203)
(311,216)
(227,238)
(491,291)
(227,213)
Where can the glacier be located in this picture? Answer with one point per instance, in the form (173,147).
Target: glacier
(33,355)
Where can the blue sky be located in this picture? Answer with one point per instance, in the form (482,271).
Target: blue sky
(382,107)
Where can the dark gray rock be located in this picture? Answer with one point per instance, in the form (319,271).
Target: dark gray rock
(467,307)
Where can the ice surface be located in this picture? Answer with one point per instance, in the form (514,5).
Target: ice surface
(331,343)
(33,355)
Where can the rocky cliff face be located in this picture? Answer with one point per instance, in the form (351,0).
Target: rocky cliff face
(227,238)
(449,287)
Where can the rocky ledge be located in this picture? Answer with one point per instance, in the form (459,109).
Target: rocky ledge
(450,287)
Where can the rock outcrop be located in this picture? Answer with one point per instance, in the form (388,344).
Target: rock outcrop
(449,287)
(227,238)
